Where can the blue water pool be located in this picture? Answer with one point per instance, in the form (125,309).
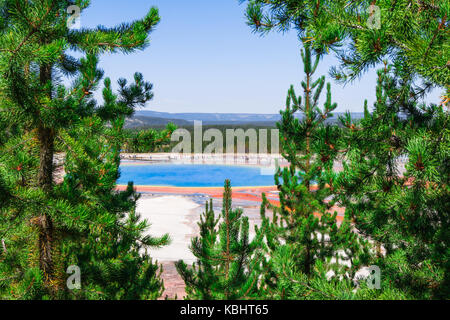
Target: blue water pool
(193,175)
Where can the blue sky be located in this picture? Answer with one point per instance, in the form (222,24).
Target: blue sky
(204,58)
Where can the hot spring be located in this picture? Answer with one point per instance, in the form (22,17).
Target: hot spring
(195,175)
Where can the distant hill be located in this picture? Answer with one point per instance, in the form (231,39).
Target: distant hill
(146,122)
(214,118)
(143,119)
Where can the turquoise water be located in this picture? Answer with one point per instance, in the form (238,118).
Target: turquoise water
(192,175)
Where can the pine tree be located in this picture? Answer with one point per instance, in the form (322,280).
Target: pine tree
(404,211)
(304,238)
(228,263)
(48,225)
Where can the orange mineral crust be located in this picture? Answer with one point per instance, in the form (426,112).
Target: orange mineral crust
(253,194)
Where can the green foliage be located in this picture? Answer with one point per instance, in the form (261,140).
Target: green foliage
(62,210)
(247,128)
(411,33)
(295,285)
(402,212)
(149,140)
(304,233)
(228,263)
(58,210)
(402,208)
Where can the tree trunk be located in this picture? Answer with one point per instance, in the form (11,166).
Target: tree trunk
(45,174)
(45,181)
(308,133)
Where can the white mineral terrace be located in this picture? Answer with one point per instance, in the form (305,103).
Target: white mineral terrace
(201,158)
